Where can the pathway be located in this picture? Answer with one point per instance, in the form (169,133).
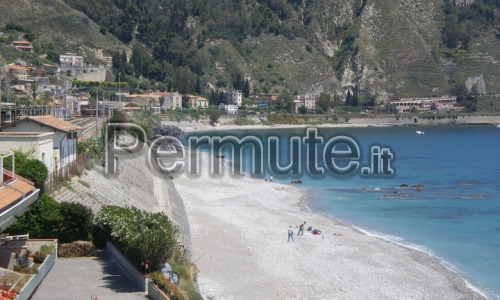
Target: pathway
(80,278)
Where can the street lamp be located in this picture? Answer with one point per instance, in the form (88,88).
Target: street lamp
(119,89)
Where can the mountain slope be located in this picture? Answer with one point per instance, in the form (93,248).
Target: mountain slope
(385,49)
(68,30)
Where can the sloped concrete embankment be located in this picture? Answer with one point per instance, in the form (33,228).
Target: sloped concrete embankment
(133,185)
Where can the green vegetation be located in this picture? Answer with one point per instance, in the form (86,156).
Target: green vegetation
(90,146)
(462,23)
(139,235)
(214,116)
(79,83)
(244,121)
(31,169)
(67,185)
(46,218)
(281,119)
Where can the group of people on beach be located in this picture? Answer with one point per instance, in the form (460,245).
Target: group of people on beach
(301,231)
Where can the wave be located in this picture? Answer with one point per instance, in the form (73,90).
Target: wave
(402,242)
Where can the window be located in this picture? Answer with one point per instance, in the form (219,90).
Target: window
(43,157)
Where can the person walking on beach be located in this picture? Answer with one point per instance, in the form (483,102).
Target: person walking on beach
(290,234)
(301,229)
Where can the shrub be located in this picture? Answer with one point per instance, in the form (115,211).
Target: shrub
(25,270)
(165,285)
(31,169)
(76,222)
(138,234)
(76,249)
(41,220)
(214,116)
(39,257)
(281,119)
(46,218)
(244,121)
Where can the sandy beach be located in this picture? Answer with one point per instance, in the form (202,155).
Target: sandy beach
(238,228)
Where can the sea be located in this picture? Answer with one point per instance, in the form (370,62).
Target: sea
(453,216)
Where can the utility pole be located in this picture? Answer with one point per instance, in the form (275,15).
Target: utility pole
(109,108)
(97,113)
(119,90)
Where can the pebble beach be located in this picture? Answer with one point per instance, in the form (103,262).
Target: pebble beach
(238,229)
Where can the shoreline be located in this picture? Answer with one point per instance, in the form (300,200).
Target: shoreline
(417,249)
(189,128)
(228,123)
(357,267)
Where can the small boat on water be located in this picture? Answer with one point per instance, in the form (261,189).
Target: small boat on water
(420,132)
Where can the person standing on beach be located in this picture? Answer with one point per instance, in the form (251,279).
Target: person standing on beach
(301,229)
(290,234)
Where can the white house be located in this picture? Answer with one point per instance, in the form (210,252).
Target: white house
(231,109)
(71,62)
(64,140)
(307,100)
(236,97)
(39,144)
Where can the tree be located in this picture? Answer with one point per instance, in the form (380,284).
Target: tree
(348,99)
(41,220)
(302,109)
(214,116)
(246,89)
(285,102)
(76,222)
(324,101)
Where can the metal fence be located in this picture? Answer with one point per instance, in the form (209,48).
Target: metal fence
(56,179)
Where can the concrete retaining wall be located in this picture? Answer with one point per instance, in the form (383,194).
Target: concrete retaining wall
(154,293)
(179,216)
(35,281)
(97,75)
(136,276)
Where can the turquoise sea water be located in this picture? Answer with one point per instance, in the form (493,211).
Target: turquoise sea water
(456,217)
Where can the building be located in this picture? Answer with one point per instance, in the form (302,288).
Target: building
(309,102)
(170,100)
(16,194)
(268,97)
(49,68)
(23,46)
(64,141)
(143,100)
(463,2)
(306,100)
(231,109)
(196,101)
(18,71)
(38,144)
(423,104)
(235,97)
(71,63)
(297,103)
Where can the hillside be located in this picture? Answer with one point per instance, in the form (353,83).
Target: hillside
(58,26)
(383,49)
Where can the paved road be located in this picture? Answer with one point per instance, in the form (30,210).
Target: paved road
(80,278)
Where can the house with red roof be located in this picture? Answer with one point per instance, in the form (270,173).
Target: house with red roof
(16,194)
(64,140)
(23,46)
